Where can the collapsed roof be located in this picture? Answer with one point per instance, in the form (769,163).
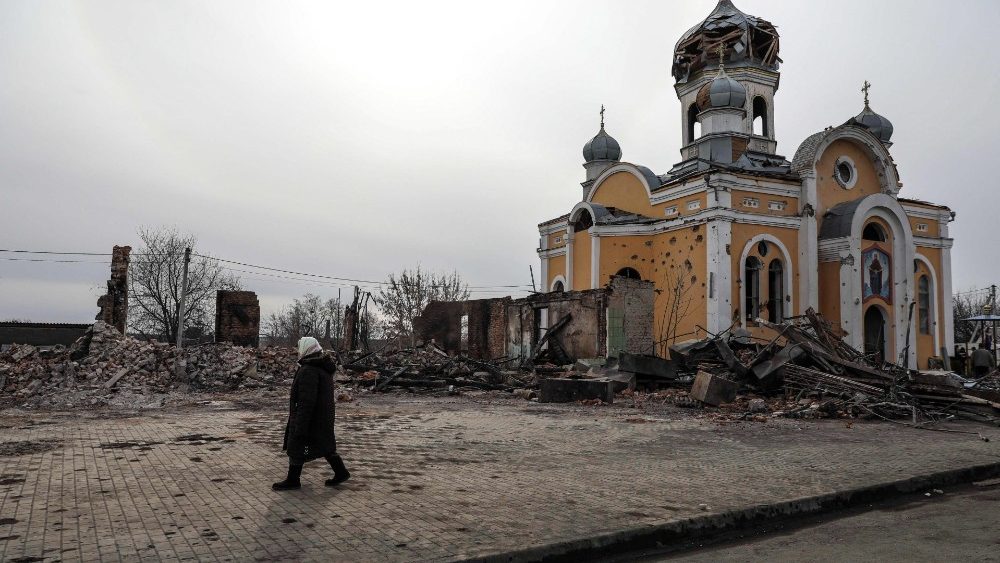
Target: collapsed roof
(748,41)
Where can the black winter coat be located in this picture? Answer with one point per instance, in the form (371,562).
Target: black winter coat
(311,408)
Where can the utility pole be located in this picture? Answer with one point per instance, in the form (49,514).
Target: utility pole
(993,313)
(181,363)
(532,272)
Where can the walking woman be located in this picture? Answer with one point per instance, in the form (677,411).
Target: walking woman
(309,431)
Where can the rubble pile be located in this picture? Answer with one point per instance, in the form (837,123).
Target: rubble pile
(104,362)
(820,376)
(427,367)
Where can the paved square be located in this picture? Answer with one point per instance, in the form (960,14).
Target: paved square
(433,479)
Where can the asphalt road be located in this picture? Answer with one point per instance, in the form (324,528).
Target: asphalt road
(958,524)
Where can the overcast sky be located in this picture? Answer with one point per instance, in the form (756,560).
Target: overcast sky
(358,138)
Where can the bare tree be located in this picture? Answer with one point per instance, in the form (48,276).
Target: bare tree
(967,305)
(155,285)
(677,309)
(307,316)
(405,296)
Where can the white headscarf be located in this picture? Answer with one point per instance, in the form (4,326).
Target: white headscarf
(308,345)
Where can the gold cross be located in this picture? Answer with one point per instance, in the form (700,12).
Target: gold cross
(602,116)
(865,89)
(722,54)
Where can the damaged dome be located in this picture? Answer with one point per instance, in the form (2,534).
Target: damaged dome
(748,41)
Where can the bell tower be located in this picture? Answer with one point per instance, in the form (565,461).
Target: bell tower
(727,108)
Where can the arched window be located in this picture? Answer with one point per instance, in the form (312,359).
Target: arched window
(751,288)
(760,117)
(873,231)
(924,304)
(629,273)
(584,222)
(558,287)
(694,126)
(775,291)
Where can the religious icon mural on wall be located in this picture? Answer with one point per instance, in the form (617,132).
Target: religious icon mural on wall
(876,273)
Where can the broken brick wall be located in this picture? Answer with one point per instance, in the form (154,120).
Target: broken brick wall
(114,303)
(237,318)
(630,316)
(480,336)
(582,338)
(603,321)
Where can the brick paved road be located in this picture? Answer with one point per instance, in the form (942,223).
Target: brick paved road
(434,479)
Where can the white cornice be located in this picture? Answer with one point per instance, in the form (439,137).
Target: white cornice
(554,228)
(552,252)
(715,214)
(929,242)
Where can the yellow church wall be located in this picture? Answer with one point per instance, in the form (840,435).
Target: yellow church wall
(671,260)
(829,291)
(622,190)
(742,234)
(931,226)
(581,260)
(764,200)
(557,240)
(557,267)
(828,191)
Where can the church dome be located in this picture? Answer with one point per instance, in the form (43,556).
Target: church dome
(723,92)
(873,122)
(749,41)
(602,147)
(877,124)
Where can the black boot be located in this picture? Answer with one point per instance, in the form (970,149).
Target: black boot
(292,481)
(340,472)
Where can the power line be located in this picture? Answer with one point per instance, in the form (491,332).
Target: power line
(322,276)
(55,261)
(59,253)
(370,284)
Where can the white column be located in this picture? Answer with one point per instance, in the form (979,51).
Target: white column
(946,298)
(808,258)
(850,296)
(595,260)
(569,259)
(720,275)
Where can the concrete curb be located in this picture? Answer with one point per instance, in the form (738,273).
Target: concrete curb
(678,531)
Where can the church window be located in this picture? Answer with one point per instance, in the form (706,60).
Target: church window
(558,240)
(672,210)
(558,287)
(751,287)
(845,172)
(629,273)
(873,231)
(584,222)
(775,291)
(692,205)
(694,127)
(922,227)
(760,117)
(762,248)
(751,202)
(924,304)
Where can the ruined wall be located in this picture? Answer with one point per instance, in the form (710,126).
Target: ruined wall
(621,314)
(484,331)
(114,303)
(630,316)
(40,334)
(237,318)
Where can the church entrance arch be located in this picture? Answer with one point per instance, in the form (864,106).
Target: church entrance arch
(875,333)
